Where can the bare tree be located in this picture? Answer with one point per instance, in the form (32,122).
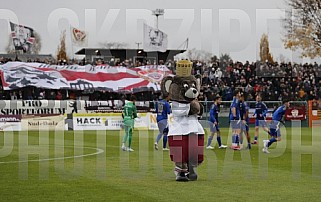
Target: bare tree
(265,54)
(61,51)
(35,48)
(113,45)
(282,58)
(200,55)
(225,58)
(303,27)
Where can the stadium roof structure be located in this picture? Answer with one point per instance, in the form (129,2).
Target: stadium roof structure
(123,54)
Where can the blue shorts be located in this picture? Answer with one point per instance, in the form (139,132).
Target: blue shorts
(162,126)
(260,122)
(275,129)
(245,127)
(236,124)
(213,128)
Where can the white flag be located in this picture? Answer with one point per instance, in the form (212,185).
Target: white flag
(154,39)
(23,37)
(79,37)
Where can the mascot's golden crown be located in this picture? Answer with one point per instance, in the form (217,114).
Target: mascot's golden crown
(184,68)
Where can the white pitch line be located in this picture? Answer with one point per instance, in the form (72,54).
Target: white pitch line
(98,151)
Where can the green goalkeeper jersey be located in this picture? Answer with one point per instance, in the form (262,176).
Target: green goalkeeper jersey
(130,111)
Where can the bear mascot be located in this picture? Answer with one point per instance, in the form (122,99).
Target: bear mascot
(185,135)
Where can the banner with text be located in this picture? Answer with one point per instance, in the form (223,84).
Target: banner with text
(295,113)
(106,121)
(10,122)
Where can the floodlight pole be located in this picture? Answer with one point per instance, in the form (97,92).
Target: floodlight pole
(157,13)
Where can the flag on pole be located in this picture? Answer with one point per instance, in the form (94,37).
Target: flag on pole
(154,39)
(78,37)
(22,37)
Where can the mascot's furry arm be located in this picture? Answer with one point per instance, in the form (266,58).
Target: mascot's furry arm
(195,108)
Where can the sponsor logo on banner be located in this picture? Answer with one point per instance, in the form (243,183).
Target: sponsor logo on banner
(83,121)
(89,122)
(114,124)
(34,122)
(295,113)
(41,107)
(30,107)
(153,122)
(10,118)
(10,122)
(106,121)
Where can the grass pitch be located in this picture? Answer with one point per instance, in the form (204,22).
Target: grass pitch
(90,166)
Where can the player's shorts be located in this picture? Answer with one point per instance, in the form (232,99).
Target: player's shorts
(162,126)
(275,129)
(236,124)
(260,122)
(129,123)
(245,127)
(187,148)
(213,128)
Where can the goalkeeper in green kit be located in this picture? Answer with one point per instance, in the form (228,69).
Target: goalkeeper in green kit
(129,114)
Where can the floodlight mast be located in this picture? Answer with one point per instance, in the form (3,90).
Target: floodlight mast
(157,13)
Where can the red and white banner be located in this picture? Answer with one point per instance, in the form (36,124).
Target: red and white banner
(295,113)
(16,75)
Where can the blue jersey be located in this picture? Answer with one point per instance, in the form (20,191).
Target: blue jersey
(235,104)
(214,113)
(162,110)
(260,110)
(244,108)
(278,114)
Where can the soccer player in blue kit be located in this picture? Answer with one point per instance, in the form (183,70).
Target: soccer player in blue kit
(235,119)
(244,113)
(275,132)
(260,113)
(162,110)
(214,124)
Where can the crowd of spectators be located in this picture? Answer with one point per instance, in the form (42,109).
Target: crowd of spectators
(274,81)
(98,61)
(297,82)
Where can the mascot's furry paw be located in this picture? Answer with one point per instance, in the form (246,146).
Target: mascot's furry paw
(201,110)
(195,108)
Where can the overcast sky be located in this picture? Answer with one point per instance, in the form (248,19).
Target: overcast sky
(229,26)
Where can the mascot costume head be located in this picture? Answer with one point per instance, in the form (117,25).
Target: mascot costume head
(186,135)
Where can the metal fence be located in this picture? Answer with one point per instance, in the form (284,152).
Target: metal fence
(225,106)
